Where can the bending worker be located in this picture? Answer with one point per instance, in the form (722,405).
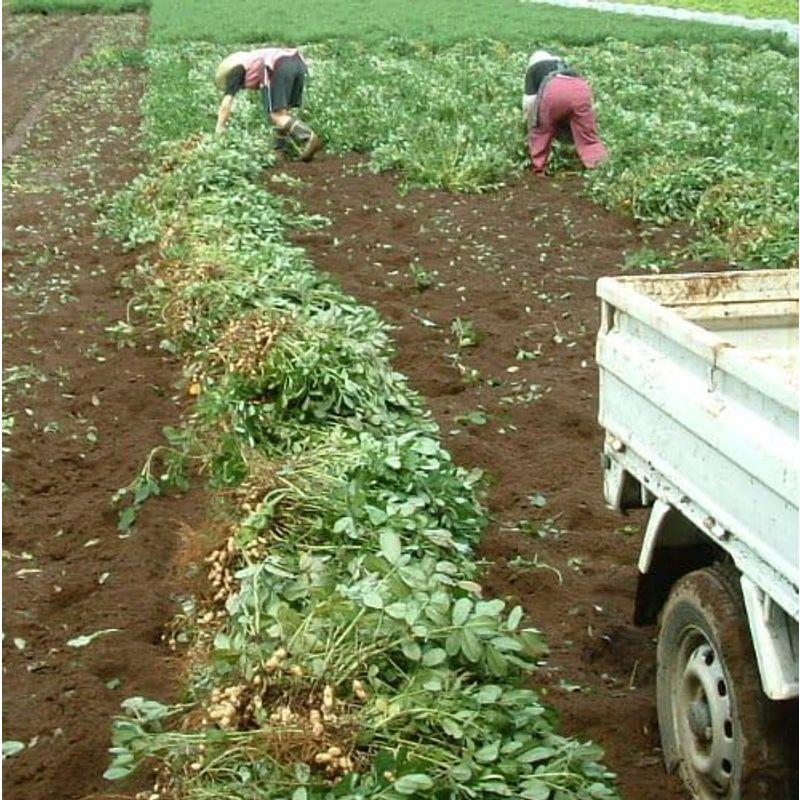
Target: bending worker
(558,103)
(280,73)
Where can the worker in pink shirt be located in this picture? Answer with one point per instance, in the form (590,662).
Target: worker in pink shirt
(557,103)
(280,74)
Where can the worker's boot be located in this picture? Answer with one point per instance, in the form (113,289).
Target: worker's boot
(282,145)
(302,142)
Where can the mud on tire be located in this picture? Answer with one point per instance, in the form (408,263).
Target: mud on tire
(718,730)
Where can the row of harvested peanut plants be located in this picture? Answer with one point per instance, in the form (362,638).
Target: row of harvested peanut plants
(339,645)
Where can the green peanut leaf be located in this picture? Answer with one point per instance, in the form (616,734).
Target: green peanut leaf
(534,789)
(461,611)
(411,651)
(413,783)
(434,657)
(488,753)
(514,618)
(470,646)
(390,546)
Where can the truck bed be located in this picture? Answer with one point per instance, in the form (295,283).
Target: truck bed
(699,378)
(756,312)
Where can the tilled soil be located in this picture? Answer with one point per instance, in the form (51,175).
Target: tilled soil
(85,415)
(518,267)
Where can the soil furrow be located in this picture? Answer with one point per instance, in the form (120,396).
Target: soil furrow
(13,141)
(86,411)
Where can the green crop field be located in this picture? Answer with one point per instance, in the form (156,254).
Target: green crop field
(437,21)
(685,148)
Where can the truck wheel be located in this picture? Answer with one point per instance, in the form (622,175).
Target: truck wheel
(717,727)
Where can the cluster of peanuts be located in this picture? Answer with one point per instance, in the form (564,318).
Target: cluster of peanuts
(327,710)
(277,663)
(220,572)
(221,565)
(334,761)
(233,708)
(256,550)
(206,622)
(251,494)
(181,274)
(210,617)
(165,787)
(239,706)
(167,239)
(243,347)
(181,312)
(261,480)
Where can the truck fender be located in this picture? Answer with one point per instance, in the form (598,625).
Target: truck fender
(671,547)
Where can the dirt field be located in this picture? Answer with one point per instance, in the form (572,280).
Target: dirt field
(85,415)
(520,265)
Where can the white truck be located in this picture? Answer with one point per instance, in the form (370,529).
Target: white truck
(699,402)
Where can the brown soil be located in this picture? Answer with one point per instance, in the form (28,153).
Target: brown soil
(85,414)
(519,264)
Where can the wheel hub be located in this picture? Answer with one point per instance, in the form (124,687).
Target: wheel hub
(699,716)
(705,719)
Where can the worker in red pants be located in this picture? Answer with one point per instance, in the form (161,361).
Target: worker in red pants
(558,103)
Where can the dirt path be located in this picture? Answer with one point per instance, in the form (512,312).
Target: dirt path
(85,414)
(519,267)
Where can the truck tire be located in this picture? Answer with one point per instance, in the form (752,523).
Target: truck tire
(727,740)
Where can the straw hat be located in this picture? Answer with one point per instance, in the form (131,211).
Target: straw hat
(228,63)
